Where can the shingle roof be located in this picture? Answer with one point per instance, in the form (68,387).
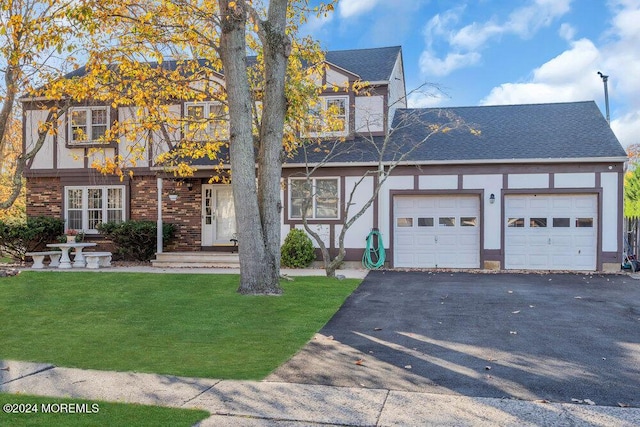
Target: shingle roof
(532,131)
(375,64)
(507,132)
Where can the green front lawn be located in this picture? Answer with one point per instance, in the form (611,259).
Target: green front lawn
(53,411)
(179,324)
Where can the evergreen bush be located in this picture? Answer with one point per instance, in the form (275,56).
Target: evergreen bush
(136,240)
(297,250)
(19,237)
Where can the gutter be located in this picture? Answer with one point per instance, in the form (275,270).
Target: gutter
(619,159)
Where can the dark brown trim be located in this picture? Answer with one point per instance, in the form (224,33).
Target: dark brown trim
(552,180)
(454,193)
(492,255)
(416,182)
(460,181)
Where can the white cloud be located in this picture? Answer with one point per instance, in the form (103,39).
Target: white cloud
(434,66)
(570,76)
(426,99)
(627,128)
(567,31)
(467,42)
(350,8)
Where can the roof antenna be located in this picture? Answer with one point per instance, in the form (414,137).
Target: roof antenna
(606,94)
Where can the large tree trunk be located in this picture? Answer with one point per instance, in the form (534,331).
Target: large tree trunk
(276,47)
(256,270)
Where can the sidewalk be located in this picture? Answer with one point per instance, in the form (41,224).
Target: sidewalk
(352,273)
(260,403)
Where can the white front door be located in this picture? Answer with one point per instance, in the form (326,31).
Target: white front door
(551,232)
(218,215)
(436,231)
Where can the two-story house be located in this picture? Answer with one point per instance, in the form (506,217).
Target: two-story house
(536,187)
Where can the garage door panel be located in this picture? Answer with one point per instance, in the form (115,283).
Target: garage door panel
(538,203)
(568,242)
(438,238)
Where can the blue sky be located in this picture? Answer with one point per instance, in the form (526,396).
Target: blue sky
(488,52)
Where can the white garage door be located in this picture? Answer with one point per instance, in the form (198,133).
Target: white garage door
(551,232)
(436,231)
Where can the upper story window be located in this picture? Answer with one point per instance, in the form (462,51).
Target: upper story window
(88,125)
(206,120)
(322,195)
(329,118)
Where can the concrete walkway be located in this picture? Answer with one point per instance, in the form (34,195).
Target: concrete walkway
(353,273)
(252,403)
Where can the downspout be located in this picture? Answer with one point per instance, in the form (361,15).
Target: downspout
(159,226)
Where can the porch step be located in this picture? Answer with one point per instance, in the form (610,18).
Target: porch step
(196,259)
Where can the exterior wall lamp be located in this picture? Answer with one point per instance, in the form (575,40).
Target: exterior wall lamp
(492,198)
(173,197)
(189,185)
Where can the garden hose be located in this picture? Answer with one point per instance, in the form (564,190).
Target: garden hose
(371,253)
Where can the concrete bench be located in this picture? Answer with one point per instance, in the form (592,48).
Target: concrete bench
(38,258)
(97,259)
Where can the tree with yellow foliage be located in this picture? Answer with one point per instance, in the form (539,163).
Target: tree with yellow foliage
(243,54)
(32,33)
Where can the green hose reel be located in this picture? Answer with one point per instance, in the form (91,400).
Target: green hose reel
(374,256)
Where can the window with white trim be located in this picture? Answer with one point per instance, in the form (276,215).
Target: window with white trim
(328,118)
(323,195)
(88,206)
(88,125)
(205,120)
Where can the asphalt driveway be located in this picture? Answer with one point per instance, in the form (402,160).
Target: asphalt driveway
(554,337)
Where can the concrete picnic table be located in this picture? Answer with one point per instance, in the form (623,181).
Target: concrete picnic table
(65,261)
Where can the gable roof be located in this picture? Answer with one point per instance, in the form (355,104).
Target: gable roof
(569,131)
(372,65)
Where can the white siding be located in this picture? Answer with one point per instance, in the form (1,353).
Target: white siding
(369,114)
(68,158)
(397,94)
(491,184)
(610,213)
(529,180)
(159,143)
(321,229)
(438,182)
(392,183)
(135,151)
(99,155)
(356,234)
(335,78)
(574,180)
(44,158)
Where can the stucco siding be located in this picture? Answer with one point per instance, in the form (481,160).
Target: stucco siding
(369,114)
(610,213)
(528,180)
(491,184)
(574,180)
(438,182)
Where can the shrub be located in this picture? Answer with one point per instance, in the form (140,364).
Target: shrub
(19,237)
(297,250)
(136,240)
